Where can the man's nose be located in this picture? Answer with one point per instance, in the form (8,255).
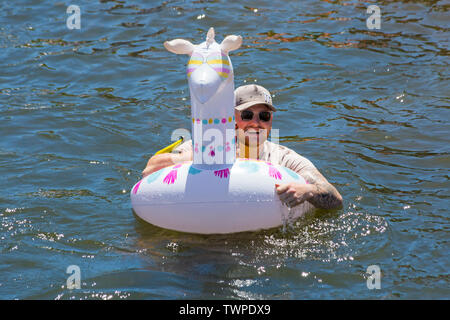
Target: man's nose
(257,121)
(254,120)
(254,124)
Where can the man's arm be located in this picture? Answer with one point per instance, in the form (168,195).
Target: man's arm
(163,160)
(319,192)
(325,195)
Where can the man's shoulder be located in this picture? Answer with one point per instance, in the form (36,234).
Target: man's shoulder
(271,147)
(284,156)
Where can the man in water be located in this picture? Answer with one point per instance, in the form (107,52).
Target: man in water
(254,115)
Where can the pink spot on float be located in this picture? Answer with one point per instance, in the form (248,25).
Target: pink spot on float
(171,177)
(211,152)
(273,172)
(224,173)
(224,120)
(136,187)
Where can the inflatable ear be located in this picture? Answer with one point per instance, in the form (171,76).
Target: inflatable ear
(231,43)
(179,46)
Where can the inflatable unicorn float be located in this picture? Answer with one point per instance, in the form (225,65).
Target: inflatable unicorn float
(216,192)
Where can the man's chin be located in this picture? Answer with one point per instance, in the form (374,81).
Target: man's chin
(253,142)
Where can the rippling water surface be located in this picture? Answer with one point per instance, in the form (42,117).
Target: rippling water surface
(82,110)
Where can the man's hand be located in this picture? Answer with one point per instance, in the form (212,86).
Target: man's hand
(293,194)
(320,194)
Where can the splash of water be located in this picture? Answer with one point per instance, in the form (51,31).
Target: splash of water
(287,216)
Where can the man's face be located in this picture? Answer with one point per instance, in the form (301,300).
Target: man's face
(255,131)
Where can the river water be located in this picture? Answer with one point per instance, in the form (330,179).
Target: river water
(82,110)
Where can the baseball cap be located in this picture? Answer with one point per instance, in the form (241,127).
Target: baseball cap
(250,95)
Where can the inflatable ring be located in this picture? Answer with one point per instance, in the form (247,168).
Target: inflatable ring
(235,199)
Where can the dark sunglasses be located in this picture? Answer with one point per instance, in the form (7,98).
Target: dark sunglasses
(247,115)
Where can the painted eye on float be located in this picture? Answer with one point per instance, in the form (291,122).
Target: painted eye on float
(220,63)
(195,61)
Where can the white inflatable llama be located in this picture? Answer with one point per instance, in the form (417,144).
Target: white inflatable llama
(211,83)
(214,193)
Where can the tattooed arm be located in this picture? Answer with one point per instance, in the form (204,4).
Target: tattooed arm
(325,196)
(319,192)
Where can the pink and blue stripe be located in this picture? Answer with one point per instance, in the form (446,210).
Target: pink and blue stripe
(218,61)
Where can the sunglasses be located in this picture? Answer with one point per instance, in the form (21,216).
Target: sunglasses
(247,115)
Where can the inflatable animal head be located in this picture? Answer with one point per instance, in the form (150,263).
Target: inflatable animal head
(209,68)
(211,85)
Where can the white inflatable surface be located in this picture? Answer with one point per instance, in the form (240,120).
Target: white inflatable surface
(239,198)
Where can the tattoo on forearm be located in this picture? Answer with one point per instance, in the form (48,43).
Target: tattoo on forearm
(326,197)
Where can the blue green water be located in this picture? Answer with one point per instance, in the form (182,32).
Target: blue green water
(81,111)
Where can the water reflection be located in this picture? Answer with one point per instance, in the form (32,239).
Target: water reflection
(81,112)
